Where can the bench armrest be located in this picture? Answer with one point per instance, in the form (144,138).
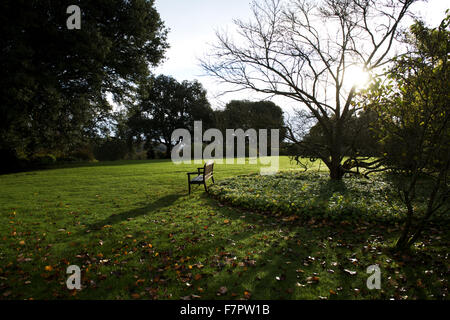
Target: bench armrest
(191,173)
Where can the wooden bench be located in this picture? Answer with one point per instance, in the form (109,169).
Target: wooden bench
(203,174)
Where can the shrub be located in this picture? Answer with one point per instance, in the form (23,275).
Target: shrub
(83,154)
(142,155)
(43,159)
(111,149)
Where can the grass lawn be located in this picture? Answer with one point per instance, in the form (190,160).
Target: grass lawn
(136,234)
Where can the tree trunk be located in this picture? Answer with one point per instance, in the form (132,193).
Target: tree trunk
(168,150)
(336,171)
(403,242)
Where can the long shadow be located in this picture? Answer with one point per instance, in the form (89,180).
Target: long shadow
(79,164)
(329,187)
(347,245)
(272,261)
(123,216)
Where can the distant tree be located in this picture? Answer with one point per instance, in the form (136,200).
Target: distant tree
(54,81)
(243,114)
(303,50)
(414,125)
(163,105)
(246,115)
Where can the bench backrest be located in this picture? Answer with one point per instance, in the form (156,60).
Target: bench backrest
(208,171)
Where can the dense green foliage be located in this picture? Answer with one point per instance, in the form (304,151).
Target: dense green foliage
(242,114)
(54,80)
(411,105)
(311,195)
(136,234)
(413,123)
(164,105)
(248,115)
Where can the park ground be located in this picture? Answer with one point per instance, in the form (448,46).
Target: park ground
(135,233)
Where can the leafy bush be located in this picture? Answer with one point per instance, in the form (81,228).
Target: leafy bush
(43,159)
(141,155)
(313,195)
(111,149)
(83,154)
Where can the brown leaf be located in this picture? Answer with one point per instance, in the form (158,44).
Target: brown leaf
(198,276)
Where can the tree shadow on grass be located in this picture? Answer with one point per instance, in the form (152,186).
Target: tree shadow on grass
(333,253)
(285,265)
(160,203)
(328,188)
(79,164)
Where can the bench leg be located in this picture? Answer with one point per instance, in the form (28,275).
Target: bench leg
(212,178)
(189,185)
(204,183)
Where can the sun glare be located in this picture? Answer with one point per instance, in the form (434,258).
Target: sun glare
(356,76)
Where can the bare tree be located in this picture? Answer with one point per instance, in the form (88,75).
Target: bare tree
(303,50)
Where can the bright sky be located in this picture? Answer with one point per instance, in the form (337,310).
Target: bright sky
(193,23)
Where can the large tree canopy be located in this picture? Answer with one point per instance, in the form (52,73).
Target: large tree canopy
(164,105)
(250,115)
(304,50)
(242,114)
(54,80)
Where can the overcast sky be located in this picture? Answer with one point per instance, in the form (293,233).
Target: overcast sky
(193,23)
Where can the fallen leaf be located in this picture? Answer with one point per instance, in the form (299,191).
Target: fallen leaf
(197,276)
(312,279)
(350,272)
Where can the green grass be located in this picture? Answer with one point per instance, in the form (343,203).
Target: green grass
(313,195)
(136,234)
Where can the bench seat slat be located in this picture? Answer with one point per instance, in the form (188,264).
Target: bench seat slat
(197,179)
